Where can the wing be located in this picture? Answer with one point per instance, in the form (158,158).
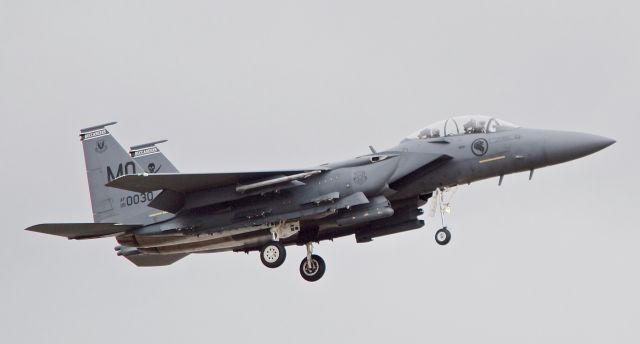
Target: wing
(189,182)
(221,187)
(82,230)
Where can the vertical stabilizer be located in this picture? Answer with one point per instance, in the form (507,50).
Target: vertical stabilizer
(151,159)
(106,160)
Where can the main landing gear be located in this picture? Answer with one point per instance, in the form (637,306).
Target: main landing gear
(273,254)
(312,267)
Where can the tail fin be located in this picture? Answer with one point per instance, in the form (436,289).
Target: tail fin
(151,159)
(106,160)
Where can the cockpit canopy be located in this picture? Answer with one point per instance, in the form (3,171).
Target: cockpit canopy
(463,125)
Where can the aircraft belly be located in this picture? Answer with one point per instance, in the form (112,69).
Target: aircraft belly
(188,240)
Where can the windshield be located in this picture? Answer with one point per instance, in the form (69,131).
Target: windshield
(463,125)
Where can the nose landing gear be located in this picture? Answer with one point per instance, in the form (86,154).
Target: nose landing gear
(443,235)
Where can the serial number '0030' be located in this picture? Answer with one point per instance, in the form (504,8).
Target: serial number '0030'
(136,199)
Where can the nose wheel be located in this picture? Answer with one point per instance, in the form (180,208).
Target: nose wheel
(443,236)
(312,267)
(273,254)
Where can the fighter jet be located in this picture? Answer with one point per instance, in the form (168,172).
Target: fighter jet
(159,216)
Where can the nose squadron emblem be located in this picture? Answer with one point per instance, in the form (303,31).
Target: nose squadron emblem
(480,147)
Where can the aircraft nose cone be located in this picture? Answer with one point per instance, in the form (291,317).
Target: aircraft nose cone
(565,146)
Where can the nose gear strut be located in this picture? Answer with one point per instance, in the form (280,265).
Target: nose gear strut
(443,235)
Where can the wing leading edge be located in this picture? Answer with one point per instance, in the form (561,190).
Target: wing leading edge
(79,231)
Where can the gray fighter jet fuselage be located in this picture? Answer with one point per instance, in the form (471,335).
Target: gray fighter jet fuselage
(369,196)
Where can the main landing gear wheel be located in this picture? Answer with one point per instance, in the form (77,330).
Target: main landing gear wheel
(443,236)
(273,254)
(312,269)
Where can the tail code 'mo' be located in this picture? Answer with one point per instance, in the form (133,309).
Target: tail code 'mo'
(106,160)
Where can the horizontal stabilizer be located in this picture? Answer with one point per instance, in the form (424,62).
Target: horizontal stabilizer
(187,182)
(80,231)
(149,260)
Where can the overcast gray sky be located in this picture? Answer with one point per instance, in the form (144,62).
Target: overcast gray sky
(242,85)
